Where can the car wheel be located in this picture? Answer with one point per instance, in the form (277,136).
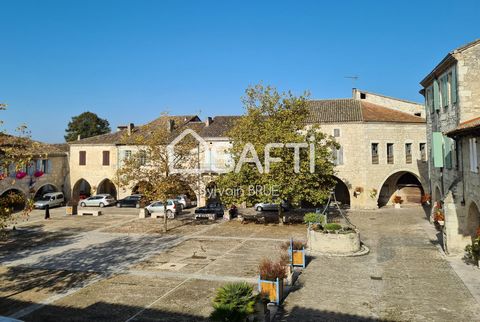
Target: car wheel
(259,209)
(102,205)
(82,204)
(119,205)
(137,205)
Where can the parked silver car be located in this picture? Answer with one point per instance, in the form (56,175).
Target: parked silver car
(174,208)
(51,199)
(100,200)
(270,206)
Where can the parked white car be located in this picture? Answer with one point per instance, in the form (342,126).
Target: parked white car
(156,208)
(52,199)
(184,201)
(100,200)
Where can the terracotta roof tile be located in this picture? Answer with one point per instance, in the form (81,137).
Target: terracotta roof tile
(465,127)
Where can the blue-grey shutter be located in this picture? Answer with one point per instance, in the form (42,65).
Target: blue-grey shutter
(436,95)
(49,166)
(437,140)
(38,167)
(453,85)
(340,155)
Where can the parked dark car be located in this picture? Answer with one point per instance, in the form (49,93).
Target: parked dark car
(135,201)
(212,208)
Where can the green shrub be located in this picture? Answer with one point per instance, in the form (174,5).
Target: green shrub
(313,218)
(332,226)
(233,302)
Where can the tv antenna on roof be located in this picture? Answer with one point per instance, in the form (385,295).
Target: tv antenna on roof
(354,78)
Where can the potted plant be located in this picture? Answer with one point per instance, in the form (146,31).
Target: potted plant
(38,174)
(233,302)
(357,191)
(21,174)
(72,207)
(397,201)
(426,198)
(439,217)
(270,280)
(473,251)
(296,252)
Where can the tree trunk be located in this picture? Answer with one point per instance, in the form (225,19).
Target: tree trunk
(280,215)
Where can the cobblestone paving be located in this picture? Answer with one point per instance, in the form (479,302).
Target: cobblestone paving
(404,278)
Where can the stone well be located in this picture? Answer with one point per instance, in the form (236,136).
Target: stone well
(333,243)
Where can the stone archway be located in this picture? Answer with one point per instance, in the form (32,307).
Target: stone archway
(81,190)
(46,188)
(13,199)
(405,184)
(342,193)
(473,219)
(107,186)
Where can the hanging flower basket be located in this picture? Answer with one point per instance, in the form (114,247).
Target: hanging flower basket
(38,174)
(2,176)
(21,175)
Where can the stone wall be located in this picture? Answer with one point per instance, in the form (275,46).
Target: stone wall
(390,102)
(468,73)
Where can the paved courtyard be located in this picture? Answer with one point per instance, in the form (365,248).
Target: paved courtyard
(117,267)
(404,278)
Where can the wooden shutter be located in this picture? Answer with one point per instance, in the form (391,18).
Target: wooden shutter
(437,148)
(340,155)
(82,158)
(453,85)
(436,95)
(49,166)
(106,158)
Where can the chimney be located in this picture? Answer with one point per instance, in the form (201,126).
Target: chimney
(121,128)
(79,137)
(130,128)
(170,125)
(208,121)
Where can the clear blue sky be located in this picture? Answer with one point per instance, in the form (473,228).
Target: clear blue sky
(130,60)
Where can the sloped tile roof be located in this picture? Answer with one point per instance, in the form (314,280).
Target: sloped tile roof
(465,127)
(334,111)
(354,110)
(120,137)
(219,126)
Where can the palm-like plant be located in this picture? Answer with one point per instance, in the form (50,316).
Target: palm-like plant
(233,302)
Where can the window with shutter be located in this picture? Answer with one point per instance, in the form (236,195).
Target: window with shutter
(390,159)
(336,133)
(408,153)
(473,155)
(374,150)
(437,149)
(423,152)
(82,158)
(106,158)
(448,152)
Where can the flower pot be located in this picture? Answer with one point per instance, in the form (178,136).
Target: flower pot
(71,210)
(271,289)
(318,241)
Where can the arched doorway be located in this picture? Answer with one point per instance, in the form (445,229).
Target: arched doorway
(342,194)
(47,188)
(473,219)
(404,184)
(13,199)
(211,194)
(107,186)
(81,190)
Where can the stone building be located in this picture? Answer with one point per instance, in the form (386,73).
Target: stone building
(452,96)
(383,148)
(47,171)
(94,161)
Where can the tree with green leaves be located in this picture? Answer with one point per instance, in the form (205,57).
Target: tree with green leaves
(277,122)
(18,151)
(86,125)
(152,162)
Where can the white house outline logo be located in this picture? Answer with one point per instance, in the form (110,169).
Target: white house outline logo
(171,151)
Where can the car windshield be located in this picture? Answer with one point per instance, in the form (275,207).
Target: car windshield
(44,198)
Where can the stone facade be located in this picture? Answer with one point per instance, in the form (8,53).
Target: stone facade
(453,186)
